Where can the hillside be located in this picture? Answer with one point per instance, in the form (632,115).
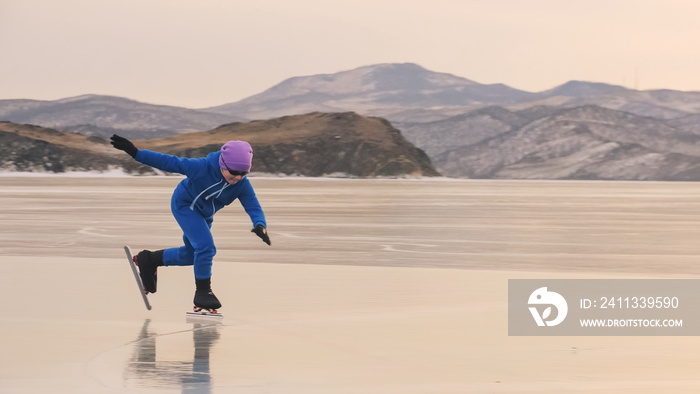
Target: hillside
(27,148)
(314,144)
(581,143)
(398,92)
(659,104)
(310,145)
(104,115)
(454,120)
(378,90)
(406,92)
(462,130)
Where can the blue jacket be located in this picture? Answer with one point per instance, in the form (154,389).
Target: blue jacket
(205,190)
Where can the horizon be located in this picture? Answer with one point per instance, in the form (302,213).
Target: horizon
(303,76)
(203,54)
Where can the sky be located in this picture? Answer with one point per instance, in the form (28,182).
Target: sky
(203,53)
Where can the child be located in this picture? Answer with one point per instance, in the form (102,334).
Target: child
(212,183)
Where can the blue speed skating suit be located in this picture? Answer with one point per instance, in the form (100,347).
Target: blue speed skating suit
(195,201)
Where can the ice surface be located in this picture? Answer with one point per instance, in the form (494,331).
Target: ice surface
(370,286)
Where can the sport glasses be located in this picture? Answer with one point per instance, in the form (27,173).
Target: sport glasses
(237,173)
(232,172)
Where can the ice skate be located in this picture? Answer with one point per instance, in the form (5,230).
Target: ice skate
(205,305)
(206,300)
(139,283)
(148,263)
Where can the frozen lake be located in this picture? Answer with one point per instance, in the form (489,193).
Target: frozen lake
(370,286)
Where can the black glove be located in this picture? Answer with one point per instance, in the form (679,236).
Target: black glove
(261,232)
(122,143)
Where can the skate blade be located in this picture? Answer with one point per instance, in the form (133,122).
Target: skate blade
(203,315)
(131,260)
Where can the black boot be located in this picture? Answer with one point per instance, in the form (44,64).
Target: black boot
(204,298)
(148,263)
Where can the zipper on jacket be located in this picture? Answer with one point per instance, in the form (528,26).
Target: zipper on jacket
(219,192)
(213,207)
(204,191)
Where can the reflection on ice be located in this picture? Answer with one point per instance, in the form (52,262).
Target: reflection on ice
(144,369)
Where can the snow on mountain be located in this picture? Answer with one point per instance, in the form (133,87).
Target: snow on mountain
(371,90)
(103,115)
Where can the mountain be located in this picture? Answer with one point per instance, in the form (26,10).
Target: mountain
(660,104)
(314,144)
(467,129)
(28,148)
(104,115)
(584,89)
(371,90)
(581,143)
(462,130)
(311,145)
(407,92)
(398,92)
(690,123)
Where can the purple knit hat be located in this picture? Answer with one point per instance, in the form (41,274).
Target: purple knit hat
(236,156)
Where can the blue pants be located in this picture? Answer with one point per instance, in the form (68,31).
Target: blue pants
(199,249)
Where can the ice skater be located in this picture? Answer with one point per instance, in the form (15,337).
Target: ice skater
(211,183)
